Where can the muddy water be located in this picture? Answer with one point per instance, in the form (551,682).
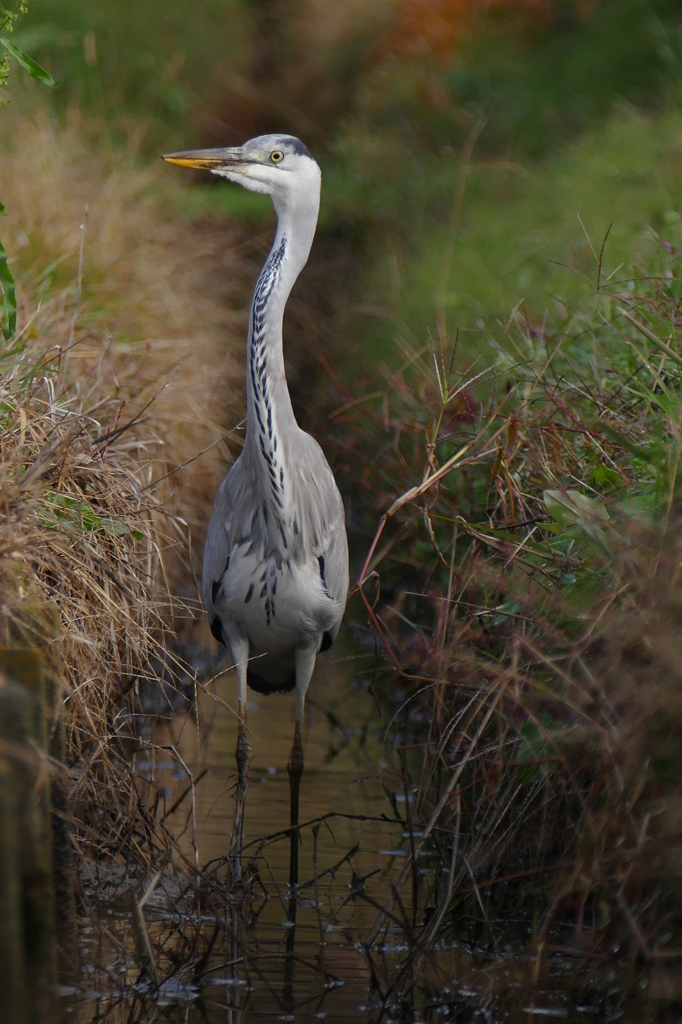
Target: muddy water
(316,969)
(267,969)
(343,770)
(261,967)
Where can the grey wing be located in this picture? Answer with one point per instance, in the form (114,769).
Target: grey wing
(322,516)
(233,498)
(335,568)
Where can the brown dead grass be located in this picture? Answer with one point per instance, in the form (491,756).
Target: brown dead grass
(107,389)
(154,291)
(532,648)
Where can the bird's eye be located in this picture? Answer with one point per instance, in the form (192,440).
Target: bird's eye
(277,156)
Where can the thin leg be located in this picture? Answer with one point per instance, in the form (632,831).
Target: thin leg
(243,755)
(305,663)
(288,1001)
(295,768)
(240,653)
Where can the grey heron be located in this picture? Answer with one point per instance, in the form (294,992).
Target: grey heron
(275,574)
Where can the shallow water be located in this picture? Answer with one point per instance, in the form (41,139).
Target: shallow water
(260,966)
(315,968)
(344,773)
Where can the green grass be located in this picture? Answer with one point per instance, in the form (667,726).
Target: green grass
(159,61)
(520,228)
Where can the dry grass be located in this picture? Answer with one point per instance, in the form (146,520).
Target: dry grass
(526,596)
(154,291)
(122,370)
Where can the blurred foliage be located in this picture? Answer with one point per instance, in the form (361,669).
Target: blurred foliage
(538,80)
(436,28)
(158,61)
(554,105)
(8,22)
(539,69)
(520,224)
(458,139)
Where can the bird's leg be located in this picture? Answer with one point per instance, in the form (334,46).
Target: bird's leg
(295,768)
(305,663)
(240,653)
(290,961)
(243,756)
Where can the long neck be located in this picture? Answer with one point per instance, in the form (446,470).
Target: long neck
(271,424)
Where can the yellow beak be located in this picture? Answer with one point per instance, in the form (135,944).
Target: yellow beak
(207,159)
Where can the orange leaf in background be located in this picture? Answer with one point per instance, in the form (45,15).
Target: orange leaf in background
(435,27)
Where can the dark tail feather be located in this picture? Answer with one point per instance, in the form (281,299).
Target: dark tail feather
(261,685)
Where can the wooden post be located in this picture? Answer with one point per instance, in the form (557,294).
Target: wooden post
(41,627)
(14,721)
(27,734)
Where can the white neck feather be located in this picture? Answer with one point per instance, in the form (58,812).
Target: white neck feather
(271,424)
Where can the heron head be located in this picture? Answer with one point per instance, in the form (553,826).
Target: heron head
(277,165)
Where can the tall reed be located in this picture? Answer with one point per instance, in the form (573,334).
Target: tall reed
(523,588)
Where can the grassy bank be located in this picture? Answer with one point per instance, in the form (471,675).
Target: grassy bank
(523,591)
(120,374)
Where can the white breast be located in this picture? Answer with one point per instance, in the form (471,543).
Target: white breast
(277,607)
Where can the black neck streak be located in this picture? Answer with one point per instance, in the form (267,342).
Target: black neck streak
(260,381)
(263,425)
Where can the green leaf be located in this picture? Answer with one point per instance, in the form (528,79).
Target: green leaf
(9,297)
(7,18)
(571,508)
(538,748)
(2,210)
(622,441)
(77,515)
(602,476)
(28,64)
